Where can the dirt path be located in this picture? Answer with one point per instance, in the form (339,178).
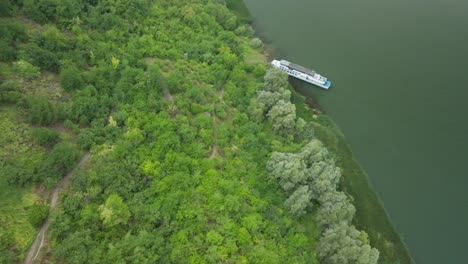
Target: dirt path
(39,242)
(214,149)
(167,93)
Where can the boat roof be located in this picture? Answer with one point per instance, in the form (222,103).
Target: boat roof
(297,67)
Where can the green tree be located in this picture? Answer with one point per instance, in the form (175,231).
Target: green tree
(299,201)
(343,244)
(58,162)
(335,208)
(275,80)
(114,211)
(288,169)
(283,115)
(37,213)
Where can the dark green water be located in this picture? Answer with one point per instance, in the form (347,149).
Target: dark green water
(400,94)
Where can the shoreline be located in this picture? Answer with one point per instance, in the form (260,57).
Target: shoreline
(371,215)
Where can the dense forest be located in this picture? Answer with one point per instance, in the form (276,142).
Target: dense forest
(198,154)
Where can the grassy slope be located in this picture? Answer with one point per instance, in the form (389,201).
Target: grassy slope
(370,213)
(15,141)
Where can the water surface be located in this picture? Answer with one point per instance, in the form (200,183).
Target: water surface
(400,94)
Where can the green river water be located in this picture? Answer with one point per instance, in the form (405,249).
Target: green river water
(400,94)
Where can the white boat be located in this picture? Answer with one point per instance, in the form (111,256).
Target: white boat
(302,73)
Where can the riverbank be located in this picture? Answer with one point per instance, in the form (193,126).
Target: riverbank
(370,212)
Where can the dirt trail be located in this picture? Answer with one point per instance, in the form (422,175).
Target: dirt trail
(167,93)
(39,241)
(215,148)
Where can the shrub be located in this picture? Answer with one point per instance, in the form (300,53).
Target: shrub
(9,91)
(26,70)
(256,43)
(58,163)
(16,174)
(45,59)
(6,8)
(70,78)
(41,111)
(46,137)
(7,52)
(37,214)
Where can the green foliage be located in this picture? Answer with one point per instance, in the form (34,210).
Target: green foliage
(6,8)
(20,158)
(241,10)
(9,91)
(370,213)
(45,59)
(46,137)
(311,174)
(58,163)
(153,192)
(7,242)
(274,102)
(70,78)
(41,11)
(299,201)
(256,43)
(11,33)
(283,115)
(41,111)
(26,70)
(343,244)
(37,213)
(114,211)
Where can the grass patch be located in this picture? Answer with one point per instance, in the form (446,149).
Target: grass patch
(16,143)
(370,213)
(14,204)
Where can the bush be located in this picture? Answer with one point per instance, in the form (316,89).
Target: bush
(9,91)
(6,8)
(120,117)
(45,59)
(256,43)
(40,11)
(7,245)
(10,33)
(46,137)
(7,52)
(16,174)
(259,70)
(58,163)
(26,70)
(41,111)
(71,78)
(86,139)
(37,214)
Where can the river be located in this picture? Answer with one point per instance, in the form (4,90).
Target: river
(400,95)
